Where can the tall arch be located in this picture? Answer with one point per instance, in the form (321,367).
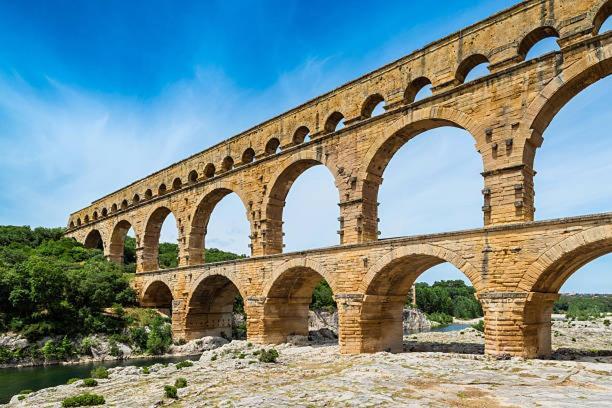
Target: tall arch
(157,294)
(287,298)
(94,240)
(150,240)
(117,241)
(210,306)
(200,219)
(274,203)
(387,284)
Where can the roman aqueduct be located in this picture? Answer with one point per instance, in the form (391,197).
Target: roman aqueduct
(516,265)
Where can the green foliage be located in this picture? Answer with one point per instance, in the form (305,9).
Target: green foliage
(89,382)
(183,364)
(450,297)
(138,337)
(146,370)
(53,350)
(25,392)
(322,297)
(583,307)
(606,322)
(99,372)
(268,356)
(51,285)
(168,255)
(480,326)
(159,338)
(170,391)
(441,318)
(72,380)
(83,400)
(180,382)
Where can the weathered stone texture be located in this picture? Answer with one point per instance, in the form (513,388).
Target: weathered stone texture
(516,265)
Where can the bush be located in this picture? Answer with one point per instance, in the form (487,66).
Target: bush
(114,351)
(606,322)
(441,318)
(83,400)
(180,382)
(89,382)
(25,392)
(268,356)
(99,372)
(146,370)
(170,391)
(183,364)
(72,380)
(479,326)
(139,337)
(160,336)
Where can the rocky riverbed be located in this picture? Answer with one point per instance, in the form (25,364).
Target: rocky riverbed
(317,375)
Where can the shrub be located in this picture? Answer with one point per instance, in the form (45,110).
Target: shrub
(25,392)
(21,397)
(72,380)
(99,372)
(83,400)
(89,382)
(183,364)
(115,351)
(170,391)
(441,318)
(138,337)
(146,370)
(479,326)
(606,322)
(213,357)
(160,336)
(268,356)
(180,382)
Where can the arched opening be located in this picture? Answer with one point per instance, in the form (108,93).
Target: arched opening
(540,41)
(162,189)
(302,231)
(473,67)
(418,89)
(603,21)
(95,215)
(299,303)
(177,184)
(86,219)
(301,135)
(216,308)
(114,208)
(71,224)
(161,226)
(569,317)
(248,156)
(158,296)
(124,204)
(273,146)
(123,245)
(79,222)
(148,194)
(227,164)
(104,212)
(220,228)
(433,314)
(426,184)
(373,106)
(193,176)
(334,122)
(136,199)
(94,240)
(209,170)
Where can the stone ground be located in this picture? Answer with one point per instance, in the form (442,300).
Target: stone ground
(316,375)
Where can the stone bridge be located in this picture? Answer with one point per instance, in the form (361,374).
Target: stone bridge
(516,265)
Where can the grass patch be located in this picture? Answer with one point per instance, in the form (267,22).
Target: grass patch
(83,400)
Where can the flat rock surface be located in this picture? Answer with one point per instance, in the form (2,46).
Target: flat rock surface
(313,376)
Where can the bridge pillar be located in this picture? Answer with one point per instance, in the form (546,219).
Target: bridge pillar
(508,195)
(282,317)
(359,216)
(518,323)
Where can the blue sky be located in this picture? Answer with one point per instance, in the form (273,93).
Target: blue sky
(96,94)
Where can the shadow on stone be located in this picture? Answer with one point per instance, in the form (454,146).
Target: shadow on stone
(438,347)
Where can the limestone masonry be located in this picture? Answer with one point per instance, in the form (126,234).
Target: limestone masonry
(516,265)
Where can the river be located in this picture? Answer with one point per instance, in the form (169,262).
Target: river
(14,380)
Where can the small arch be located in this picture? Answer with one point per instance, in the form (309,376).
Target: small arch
(71,224)
(158,295)
(162,189)
(114,208)
(417,88)
(209,170)
(334,122)
(95,215)
(124,204)
(602,22)
(248,156)
(468,66)
(192,177)
(94,240)
(273,146)
(86,219)
(148,194)
(301,135)
(104,212)
(79,222)
(136,199)
(177,184)
(534,38)
(371,104)
(227,164)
